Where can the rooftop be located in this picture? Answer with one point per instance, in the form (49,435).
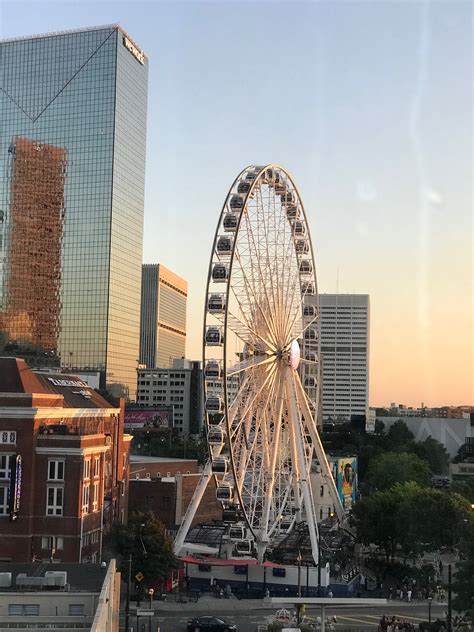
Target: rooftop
(16,378)
(80,577)
(139,458)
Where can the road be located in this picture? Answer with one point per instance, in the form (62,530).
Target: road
(349,618)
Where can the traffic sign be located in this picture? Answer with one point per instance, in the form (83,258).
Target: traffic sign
(139,576)
(144,612)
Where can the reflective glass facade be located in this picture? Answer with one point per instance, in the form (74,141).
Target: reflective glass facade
(163,317)
(72,168)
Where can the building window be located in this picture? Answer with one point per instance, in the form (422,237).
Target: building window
(4,500)
(97,467)
(85,498)
(56,470)
(23,609)
(87,469)
(95,496)
(76,610)
(5,465)
(55,496)
(51,542)
(8,436)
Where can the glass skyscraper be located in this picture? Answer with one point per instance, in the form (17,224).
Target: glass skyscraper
(72,167)
(163,316)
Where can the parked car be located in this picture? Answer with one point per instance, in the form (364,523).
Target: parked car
(210,624)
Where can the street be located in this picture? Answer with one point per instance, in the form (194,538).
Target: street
(348,618)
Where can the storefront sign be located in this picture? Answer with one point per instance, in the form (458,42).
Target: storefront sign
(136,52)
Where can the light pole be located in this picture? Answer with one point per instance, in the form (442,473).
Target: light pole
(150,593)
(298,559)
(127,603)
(449,618)
(430,599)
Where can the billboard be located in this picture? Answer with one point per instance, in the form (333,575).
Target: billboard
(148,418)
(345,475)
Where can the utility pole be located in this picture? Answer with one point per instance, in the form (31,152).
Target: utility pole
(127,603)
(449,619)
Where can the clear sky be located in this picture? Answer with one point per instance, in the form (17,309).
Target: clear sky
(367,104)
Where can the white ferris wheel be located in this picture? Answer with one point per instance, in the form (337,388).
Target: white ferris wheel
(261,350)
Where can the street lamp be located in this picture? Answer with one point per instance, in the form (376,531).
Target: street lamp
(150,593)
(430,599)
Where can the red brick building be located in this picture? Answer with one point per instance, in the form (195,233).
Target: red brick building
(166,487)
(64,463)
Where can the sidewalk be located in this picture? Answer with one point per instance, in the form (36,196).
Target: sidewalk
(209,604)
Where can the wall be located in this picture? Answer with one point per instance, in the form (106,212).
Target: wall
(451,433)
(107,614)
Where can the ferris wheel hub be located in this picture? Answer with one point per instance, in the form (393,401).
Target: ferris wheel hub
(295,355)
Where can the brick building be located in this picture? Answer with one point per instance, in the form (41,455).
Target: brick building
(64,463)
(166,487)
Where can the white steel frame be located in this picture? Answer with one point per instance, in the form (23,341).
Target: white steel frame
(260,404)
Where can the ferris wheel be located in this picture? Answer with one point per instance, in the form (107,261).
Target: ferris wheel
(261,351)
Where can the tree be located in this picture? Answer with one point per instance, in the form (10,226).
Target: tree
(463,585)
(464,488)
(435,453)
(410,518)
(386,470)
(399,438)
(375,520)
(144,538)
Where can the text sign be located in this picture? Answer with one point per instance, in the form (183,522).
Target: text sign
(142,612)
(136,52)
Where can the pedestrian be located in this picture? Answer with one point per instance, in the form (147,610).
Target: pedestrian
(409,595)
(330,594)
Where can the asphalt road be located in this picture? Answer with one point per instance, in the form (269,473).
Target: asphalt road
(349,618)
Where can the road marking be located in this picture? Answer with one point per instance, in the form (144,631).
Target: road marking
(409,616)
(356,620)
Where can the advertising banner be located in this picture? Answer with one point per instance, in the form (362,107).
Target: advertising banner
(139,418)
(345,471)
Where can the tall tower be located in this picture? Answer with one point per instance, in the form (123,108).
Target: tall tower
(345,337)
(163,316)
(72,171)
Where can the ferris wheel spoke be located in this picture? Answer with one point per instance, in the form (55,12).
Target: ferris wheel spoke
(251,363)
(271,306)
(255,300)
(256,393)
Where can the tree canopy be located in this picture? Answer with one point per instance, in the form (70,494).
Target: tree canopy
(410,517)
(386,470)
(144,538)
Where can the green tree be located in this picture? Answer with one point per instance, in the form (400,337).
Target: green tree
(463,585)
(464,488)
(435,453)
(386,470)
(144,538)
(399,438)
(375,519)
(410,518)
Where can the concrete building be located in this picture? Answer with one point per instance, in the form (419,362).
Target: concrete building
(345,337)
(66,597)
(179,387)
(452,433)
(72,179)
(64,463)
(163,316)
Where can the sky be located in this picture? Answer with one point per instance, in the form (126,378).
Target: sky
(367,104)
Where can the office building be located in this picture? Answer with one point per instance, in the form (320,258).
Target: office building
(63,597)
(72,168)
(180,388)
(163,317)
(64,462)
(345,333)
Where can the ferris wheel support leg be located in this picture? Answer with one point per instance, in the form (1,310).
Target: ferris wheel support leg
(321,455)
(192,508)
(302,466)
